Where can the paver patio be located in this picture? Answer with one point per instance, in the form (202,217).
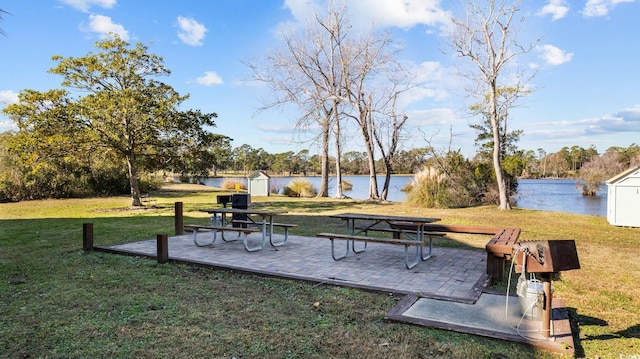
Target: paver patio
(452,274)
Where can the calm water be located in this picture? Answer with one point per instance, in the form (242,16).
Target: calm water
(560,196)
(549,195)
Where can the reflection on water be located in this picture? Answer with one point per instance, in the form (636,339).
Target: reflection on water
(558,195)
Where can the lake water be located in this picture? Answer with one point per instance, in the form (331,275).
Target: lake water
(559,195)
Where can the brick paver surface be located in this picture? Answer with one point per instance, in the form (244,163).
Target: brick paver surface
(455,274)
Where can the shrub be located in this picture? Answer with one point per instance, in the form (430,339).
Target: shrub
(452,182)
(231,184)
(300,188)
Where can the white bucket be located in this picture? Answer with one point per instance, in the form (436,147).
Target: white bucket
(531,300)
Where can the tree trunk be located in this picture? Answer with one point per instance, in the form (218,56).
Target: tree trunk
(324,170)
(339,193)
(133,181)
(387,181)
(497,146)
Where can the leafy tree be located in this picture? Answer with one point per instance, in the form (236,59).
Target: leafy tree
(126,111)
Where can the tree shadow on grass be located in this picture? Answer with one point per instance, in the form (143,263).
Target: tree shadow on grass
(578,321)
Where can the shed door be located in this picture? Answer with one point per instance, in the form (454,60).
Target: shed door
(628,206)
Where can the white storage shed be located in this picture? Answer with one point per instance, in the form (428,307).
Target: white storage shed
(259,184)
(623,201)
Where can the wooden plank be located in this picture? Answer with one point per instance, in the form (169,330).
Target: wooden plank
(226,229)
(461,228)
(502,243)
(404,242)
(283,225)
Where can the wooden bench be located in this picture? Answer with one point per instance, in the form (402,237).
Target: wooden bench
(499,249)
(405,242)
(195,228)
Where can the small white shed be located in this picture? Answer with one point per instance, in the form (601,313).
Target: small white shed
(259,184)
(623,202)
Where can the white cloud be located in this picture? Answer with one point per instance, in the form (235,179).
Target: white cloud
(556,8)
(404,14)
(432,81)
(620,123)
(84,5)
(554,56)
(601,7)
(303,9)
(210,78)
(103,25)
(627,120)
(8,97)
(434,117)
(191,32)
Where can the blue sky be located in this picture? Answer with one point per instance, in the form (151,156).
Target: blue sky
(587,83)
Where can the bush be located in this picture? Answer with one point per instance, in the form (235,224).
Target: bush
(230,184)
(346,185)
(451,182)
(300,188)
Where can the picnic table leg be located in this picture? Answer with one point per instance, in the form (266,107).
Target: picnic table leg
(333,254)
(421,231)
(416,258)
(223,223)
(286,235)
(264,238)
(351,228)
(195,239)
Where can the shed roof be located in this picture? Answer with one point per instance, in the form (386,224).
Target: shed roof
(622,175)
(258,174)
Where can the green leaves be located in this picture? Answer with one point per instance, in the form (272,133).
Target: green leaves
(121,109)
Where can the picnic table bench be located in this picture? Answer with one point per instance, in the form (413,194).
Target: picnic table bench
(351,237)
(252,224)
(196,228)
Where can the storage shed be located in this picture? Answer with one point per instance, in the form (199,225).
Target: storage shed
(259,184)
(623,202)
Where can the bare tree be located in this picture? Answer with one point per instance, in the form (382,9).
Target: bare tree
(330,71)
(388,133)
(2,31)
(369,66)
(306,73)
(595,172)
(486,36)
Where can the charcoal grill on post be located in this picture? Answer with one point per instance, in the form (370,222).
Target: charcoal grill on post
(547,258)
(223,200)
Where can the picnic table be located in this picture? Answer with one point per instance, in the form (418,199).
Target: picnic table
(410,227)
(256,221)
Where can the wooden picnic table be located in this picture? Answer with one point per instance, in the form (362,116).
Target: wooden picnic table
(411,227)
(264,222)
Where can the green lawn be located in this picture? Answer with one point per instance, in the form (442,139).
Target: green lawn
(57,301)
